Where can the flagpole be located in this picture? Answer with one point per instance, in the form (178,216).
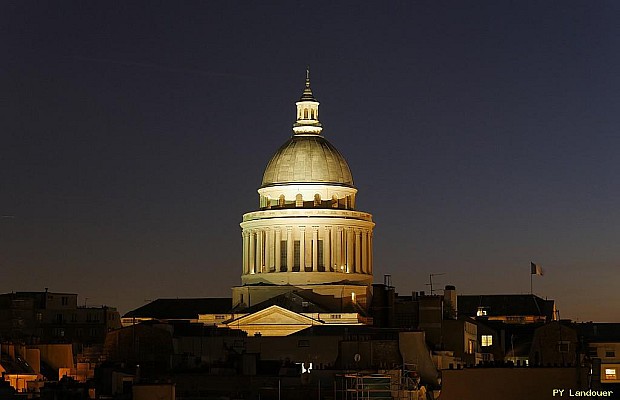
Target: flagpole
(531,287)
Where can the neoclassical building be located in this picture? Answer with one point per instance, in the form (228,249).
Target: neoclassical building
(307,232)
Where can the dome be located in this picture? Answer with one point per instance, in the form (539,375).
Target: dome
(307,159)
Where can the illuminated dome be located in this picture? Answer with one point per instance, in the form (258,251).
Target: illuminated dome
(307,159)
(307,231)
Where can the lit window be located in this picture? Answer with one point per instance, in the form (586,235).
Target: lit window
(487,340)
(482,311)
(610,374)
(471,346)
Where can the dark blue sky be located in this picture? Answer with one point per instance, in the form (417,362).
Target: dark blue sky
(482,135)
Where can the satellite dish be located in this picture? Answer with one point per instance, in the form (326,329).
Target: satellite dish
(357,357)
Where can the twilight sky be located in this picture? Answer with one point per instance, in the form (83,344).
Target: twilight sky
(482,135)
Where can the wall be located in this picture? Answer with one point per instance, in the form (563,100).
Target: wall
(509,383)
(164,391)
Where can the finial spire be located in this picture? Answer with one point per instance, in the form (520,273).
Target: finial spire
(307,111)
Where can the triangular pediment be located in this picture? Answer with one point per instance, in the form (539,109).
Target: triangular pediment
(274,315)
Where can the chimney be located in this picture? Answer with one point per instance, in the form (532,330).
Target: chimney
(449,299)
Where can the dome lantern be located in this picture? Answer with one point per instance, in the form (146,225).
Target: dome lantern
(307,122)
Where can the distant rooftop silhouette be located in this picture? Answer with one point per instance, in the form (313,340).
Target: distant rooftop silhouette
(181,308)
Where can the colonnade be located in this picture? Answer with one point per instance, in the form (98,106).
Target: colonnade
(307,249)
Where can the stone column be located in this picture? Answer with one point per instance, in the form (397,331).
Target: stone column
(260,250)
(315,249)
(326,248)
(252,252)
(302,248)
(289,249)
(245,263)
(365,251)
(370,255)
(338,249)
(333,263)
(278,250)
(350,265)
(268,244)
(358,251)
(243,253)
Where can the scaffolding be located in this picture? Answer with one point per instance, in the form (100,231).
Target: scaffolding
(398,384)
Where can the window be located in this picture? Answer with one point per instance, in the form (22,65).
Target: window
(305,113)
(317,200)
(296,259)
(335,316)
(299,200)
(64,300)
(471,346)
(610,374)
(592,351)
(334,201)
(482,312)
(303,343)
(563,346)
(487,340)
(283,250)
(281,201)
(610,353)
(59,318)
(220,317)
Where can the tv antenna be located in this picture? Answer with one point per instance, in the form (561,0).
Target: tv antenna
(430,280)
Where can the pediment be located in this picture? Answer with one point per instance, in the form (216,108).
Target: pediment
(274,315)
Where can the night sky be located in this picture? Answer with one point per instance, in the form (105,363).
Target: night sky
(482,135)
